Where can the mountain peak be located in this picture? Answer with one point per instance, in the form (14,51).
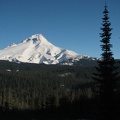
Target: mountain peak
(37,38)
(37,49)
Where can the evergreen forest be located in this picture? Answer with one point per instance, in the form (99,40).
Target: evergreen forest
(45,88)
(38,91)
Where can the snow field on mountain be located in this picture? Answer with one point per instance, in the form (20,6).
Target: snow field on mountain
(37,49)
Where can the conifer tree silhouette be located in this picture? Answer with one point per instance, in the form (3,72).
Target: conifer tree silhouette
(106,75)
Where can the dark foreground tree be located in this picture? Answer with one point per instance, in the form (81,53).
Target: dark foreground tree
(106,76)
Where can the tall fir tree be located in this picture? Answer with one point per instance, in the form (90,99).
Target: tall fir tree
(106,75)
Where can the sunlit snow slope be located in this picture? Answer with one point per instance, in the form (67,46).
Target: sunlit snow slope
(37,49)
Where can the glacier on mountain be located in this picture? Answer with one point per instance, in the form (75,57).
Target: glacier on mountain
(37,49)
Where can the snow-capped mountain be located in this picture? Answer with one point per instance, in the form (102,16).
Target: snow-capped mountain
(37,49)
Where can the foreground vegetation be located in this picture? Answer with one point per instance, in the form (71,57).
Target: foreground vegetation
(40,91)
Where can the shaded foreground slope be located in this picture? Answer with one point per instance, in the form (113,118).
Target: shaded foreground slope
(32,91)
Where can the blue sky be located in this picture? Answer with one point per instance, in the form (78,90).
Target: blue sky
(70,24)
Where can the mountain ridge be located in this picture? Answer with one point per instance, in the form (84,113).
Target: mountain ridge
(37,49)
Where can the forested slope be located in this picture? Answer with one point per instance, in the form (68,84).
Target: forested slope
(33,87)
